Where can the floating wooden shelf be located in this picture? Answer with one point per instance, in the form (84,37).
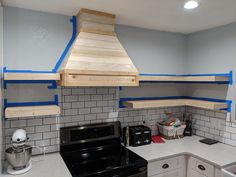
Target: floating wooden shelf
(185,78)
(27,111)
(31,76)
(174,102)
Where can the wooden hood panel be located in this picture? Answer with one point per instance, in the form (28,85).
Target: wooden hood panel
(97,51)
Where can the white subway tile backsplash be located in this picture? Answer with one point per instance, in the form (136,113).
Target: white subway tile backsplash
(215,125)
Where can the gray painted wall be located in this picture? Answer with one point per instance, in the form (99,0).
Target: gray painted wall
(1,64)
(154,51)
(34,40)
(213,51)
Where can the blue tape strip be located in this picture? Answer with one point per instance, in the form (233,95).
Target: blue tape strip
(221,74)
(5,70)
(182,82)
(228,102)
(52,82)
(73,21)
(42,103)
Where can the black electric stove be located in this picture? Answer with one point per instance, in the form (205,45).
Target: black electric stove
(96,150)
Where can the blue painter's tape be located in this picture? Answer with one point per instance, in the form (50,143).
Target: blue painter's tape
(182,82)
(231,77)
(228,102)
(52,82)
(73,21)
(42,103)
(5,70)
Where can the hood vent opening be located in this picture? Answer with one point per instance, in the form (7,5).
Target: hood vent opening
(97,58)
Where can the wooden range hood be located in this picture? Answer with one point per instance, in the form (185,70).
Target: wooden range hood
(97,58)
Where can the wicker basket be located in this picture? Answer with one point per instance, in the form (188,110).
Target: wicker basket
(171,132)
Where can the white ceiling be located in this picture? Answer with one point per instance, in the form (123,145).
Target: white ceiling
(164,15)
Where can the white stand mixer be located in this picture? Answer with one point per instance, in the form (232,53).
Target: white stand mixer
(19,154)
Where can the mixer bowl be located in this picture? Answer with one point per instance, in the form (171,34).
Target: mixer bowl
(19,158)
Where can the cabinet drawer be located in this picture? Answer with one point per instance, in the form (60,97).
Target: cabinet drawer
(201,167)
(165,165)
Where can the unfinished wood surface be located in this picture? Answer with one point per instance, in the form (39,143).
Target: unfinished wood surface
(28,111)
(98,55)
(94,26)
(94,12)
(185,78)
(31,76)
(96,80)
(174,102)
(95,21)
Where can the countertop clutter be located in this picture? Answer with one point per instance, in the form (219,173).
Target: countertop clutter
(220,155)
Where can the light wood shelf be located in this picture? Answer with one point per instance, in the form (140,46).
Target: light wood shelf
(27,111)
(185,78)
(31,76)
(174,102)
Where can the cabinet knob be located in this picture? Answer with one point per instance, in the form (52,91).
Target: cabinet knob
(201,167)
(165,166)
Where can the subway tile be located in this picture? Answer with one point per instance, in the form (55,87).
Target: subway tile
(36,121)
(47,135)
(77,91)
(102,91)
(90,91)
(35,136)
(90,117)
(96,110)
(77,118)
(78,105)
(71,98)
(96,97)
(18,123)
(43,128)
(84,111)
(66,91)
(90,104)
(71,112)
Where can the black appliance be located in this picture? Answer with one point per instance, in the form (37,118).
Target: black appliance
(208,141)
(96,150)
(139,135)
(188,130)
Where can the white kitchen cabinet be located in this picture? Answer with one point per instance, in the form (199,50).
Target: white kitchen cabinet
(176,173)
(194,173)
(199,168)
(171,167)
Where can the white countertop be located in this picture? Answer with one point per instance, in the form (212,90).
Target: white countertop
(220,155)
(52,166)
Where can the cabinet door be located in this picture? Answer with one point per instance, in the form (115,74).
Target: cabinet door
(200,167)
(175,173)
(166,165)
(195,174)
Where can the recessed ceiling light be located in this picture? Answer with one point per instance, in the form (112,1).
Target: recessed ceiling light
(191,4)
